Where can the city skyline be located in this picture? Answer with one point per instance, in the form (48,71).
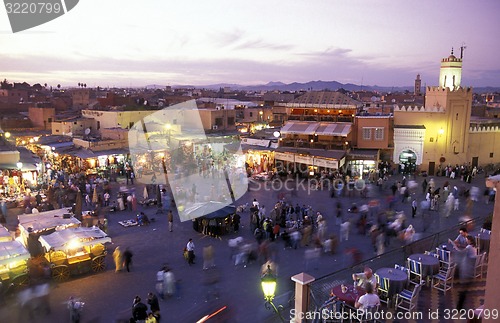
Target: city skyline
(254,43)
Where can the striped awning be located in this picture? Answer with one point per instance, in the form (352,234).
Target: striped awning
(334,129)
(299,128)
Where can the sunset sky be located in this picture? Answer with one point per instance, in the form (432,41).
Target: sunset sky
(123,42)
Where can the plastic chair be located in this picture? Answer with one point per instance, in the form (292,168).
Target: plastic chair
(383,289)
(444,258)
(443,281)
(368,314)
(430,253)
(483,230)
(415,273)
(407,299)
(478,266)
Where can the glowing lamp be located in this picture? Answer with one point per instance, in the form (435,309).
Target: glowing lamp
(268,283)
(73,244)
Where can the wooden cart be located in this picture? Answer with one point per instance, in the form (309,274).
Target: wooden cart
(75,251)
(13,265)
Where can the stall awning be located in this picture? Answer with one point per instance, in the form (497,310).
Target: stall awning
(117,151)
(4,234)
(8,166)
(80,237)
(81,153)
(57,145)
(334,129)
(12,250)
(47,220)
(299,128)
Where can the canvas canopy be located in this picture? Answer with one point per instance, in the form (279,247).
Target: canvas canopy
(12,250)
(74,237)
(43,221)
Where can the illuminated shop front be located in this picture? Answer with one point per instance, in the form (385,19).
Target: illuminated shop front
(259,161)
(308,162)
(362,162)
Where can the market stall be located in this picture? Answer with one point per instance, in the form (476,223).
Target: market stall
(13,264)
(5,234)
(44,223)
(75,251)
(211,218)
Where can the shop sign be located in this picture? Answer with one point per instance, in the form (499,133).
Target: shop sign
(304,159)
(283,156)
(327,163)
(256,142)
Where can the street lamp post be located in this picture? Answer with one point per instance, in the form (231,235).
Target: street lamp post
(268,283)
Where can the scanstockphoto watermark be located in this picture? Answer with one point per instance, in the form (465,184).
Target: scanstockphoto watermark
(26,14)
(354,315)
(309,185)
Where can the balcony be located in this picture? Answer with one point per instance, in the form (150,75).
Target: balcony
(322,118)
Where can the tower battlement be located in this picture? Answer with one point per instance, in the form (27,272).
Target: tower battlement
(419,108)
(460,89)
(484,128)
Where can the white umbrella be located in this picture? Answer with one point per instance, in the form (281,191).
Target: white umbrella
(145,195)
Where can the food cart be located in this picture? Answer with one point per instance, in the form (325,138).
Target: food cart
(5,234)
(13,264)
(75,251)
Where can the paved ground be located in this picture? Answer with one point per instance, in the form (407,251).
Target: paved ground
(108,296)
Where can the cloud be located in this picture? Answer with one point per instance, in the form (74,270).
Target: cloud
(225,39)
(238,40)
(329,52)
(261,44)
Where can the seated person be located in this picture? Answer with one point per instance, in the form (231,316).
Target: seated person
(461,241)
(370,299)
(365,277)
(142,219)
(145,219)
(470,250)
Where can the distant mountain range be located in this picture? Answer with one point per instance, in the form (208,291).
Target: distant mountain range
(312,86)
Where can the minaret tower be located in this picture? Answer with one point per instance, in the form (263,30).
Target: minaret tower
(450,74)
(418,86)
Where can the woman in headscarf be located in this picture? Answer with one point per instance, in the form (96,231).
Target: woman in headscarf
(118,258)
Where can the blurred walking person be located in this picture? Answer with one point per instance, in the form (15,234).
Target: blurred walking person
(208,257)
(118,258)
(127,258)
(169,283)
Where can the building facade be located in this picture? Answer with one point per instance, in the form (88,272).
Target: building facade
(441,132)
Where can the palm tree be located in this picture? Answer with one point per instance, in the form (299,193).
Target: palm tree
(58,86)
(79,84)
(85,85)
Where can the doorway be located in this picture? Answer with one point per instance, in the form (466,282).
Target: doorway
(475,161)
(407,161)
(432,168)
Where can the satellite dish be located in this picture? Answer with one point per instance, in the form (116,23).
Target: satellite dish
(87,131)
